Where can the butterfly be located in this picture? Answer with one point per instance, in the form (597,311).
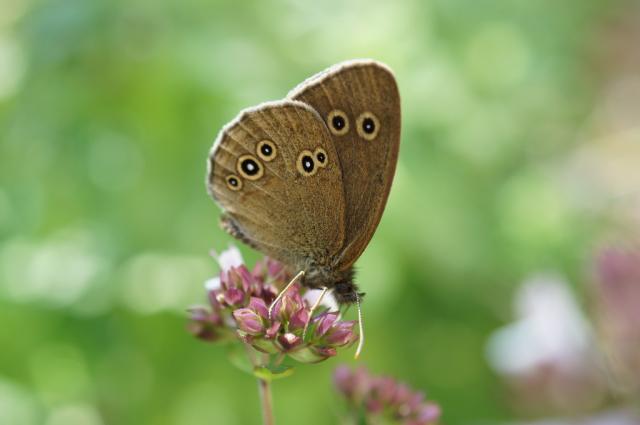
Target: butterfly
(305,179)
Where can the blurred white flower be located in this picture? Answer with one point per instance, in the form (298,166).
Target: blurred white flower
(550,329)
(549,357)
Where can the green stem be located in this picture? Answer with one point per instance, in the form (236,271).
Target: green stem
(264,387)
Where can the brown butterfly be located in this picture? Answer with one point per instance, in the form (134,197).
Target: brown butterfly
(305,179)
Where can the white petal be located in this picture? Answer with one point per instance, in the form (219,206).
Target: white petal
(230,257)
(328,301)
(212,284)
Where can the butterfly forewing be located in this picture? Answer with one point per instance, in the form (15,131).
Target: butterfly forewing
(274,171)
(360,104)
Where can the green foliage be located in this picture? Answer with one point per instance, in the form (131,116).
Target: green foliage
(107,111)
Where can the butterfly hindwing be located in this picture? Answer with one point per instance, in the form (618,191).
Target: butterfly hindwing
(360,105)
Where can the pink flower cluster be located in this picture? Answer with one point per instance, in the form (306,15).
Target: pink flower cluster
(239,306)
(383,397)
(618,307)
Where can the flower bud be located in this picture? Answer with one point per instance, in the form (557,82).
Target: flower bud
(248,321)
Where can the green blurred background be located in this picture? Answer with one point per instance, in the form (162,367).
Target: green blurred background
(108,109)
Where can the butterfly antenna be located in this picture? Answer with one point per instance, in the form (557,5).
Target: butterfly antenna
(281,294)
(360,328)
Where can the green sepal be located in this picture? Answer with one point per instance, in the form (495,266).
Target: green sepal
(264,346)
(271,372)
(306,355)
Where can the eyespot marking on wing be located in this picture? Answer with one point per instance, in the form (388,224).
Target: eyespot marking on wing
(266,150)
(305,164)
(249,167)
(338,122)
(234,182)
(321,157)
(368,126)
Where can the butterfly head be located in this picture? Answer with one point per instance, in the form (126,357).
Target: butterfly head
(341,281)
(346,292)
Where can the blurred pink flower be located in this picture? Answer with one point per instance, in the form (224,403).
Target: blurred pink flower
(551,357)
(617,293)
(384,398)
(618,286)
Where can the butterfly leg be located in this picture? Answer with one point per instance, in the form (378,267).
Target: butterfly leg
(286,288)
(230,226)
(313,308)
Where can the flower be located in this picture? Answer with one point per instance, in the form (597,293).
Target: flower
(618,285)
(558,359)
(551,329)
(546,356)
(239,306)
(617,293)
(205,324)
(384,398)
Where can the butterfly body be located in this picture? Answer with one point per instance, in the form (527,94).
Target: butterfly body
(316,275)
(305,179)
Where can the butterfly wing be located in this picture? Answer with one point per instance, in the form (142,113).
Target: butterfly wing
(360,104)
(274,171)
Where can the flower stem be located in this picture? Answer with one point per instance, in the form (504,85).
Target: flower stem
(264,387)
